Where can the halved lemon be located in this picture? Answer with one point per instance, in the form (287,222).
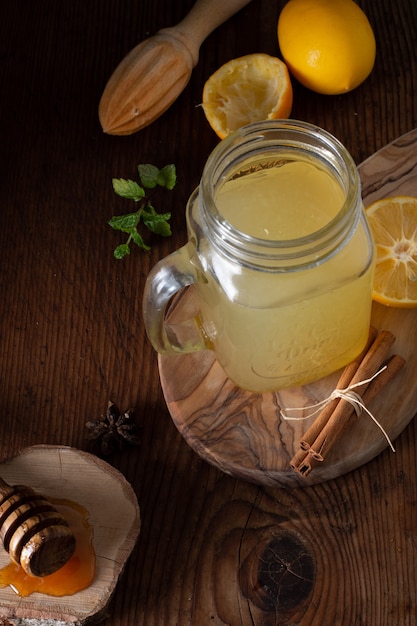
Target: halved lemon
(393,222)
(252,88)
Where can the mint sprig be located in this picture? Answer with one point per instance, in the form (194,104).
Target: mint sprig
(150,178)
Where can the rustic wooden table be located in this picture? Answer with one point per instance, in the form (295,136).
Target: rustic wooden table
(212,549)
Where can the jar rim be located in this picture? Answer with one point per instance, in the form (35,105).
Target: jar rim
(276,134)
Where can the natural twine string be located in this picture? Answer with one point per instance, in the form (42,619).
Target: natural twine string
(345,394)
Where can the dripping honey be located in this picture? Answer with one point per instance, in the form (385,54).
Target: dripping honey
(77,574)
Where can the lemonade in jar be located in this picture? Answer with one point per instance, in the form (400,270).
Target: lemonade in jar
(280,257)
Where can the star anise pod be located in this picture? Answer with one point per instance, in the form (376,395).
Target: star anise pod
(113,430)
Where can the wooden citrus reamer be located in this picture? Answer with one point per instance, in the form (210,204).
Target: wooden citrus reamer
(154,73)
(33,532)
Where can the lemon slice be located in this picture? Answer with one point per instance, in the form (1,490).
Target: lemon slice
(393,222)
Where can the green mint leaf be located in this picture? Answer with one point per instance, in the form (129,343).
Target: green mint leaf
(167,177)
(121,251)
(157,223)
(125,223)
(148,175)
(139,241)
(128,189)
(161,227)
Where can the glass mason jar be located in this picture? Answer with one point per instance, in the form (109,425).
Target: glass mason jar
(280,256)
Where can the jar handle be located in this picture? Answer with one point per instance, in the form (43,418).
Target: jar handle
(165,279)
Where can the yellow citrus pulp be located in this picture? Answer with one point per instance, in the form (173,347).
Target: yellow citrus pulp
(251,88)
(328,45)
(393,222)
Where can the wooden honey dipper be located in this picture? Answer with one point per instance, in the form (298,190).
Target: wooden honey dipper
(33,532)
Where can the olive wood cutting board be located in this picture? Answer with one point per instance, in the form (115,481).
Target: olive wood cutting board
(66,473)
(243,433)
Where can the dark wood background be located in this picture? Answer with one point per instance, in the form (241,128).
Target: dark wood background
(213,549)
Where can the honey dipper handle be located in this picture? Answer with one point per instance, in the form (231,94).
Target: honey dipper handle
(204,17)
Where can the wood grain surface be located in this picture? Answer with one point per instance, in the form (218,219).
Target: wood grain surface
(244,433)
(213,549)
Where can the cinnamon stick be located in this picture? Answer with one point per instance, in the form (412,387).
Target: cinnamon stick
(298,458)
(347,374)
(343,382)
(372,361)
(312,458)
(394,364)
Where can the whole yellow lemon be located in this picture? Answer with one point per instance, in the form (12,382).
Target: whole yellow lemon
(328,45)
